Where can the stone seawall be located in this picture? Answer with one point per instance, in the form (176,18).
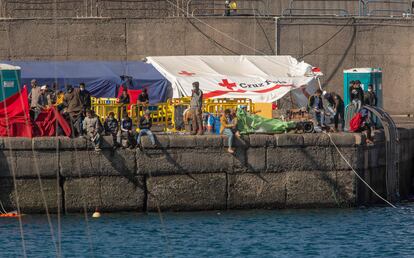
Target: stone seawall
(189,173)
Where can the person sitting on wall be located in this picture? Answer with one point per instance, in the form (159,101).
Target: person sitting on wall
(196,104)
(92,127)
(126,131)
(361,122)
(356,94)
(187,115)
(226,127)
(111,128)
(145,128)
(336,107)
(315,106)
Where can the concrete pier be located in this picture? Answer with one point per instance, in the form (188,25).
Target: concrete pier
(188,173)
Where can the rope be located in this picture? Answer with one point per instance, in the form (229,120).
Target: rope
(353,170)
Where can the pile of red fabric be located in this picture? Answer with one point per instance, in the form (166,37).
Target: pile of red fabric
(15,119)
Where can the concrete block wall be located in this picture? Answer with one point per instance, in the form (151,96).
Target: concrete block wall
(186,173)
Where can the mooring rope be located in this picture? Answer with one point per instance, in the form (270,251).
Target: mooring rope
(357,175)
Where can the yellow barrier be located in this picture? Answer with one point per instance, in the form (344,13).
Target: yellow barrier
(164,114)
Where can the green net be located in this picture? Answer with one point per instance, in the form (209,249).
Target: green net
(249,123)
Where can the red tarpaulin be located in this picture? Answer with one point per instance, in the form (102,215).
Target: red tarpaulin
(15,119)
(14,116)
(47,121)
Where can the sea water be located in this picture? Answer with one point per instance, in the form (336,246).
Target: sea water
(359,232)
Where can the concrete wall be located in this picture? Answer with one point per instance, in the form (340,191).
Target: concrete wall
(195,173)
(132,39)
(338,44)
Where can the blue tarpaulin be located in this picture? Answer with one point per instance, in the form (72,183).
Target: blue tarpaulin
(102,79)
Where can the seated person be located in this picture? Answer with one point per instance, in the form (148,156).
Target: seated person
(111,128)
(361,122)
(126,131)
(227,127)
(92,126)
(145,128)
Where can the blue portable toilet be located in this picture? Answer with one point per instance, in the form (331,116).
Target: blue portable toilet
(366,76)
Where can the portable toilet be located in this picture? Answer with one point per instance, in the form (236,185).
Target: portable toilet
(10,78)
(366,76)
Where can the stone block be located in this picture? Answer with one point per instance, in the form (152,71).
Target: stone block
(182,161)
(110,193)
(316,139)
(296,159)
(265,190)
(343,139)
(346,188)
(46,143)
(378,183)
(262,140)
(209,141)
(105,163)
(32,195)
(187,192)
(289,140)
(28,164)
(1,143)
(17,143)
(307,189)
(353,155)
(404,133)
(161,141)
(182,141)
(378,135)
(256,159)
(75,144)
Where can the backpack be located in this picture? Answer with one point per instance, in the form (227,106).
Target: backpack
(355,122)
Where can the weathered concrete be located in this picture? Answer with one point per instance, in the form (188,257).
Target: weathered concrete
(187,192)
(196,173)
(106,193)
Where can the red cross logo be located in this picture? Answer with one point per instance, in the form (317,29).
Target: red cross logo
(227,84)
(185,73)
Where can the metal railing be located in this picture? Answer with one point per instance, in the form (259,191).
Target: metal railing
(164,115)
(308,11)
(381,8)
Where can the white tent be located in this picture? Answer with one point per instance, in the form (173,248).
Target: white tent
(259,78)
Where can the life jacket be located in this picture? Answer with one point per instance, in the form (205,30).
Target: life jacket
(355,122)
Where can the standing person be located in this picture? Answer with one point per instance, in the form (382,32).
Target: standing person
(52,93)
(227,8)
(336,107)
(145,128)
(33,97)
(226,127)
(196,109)
(85,97)
(233,7)
(73,107)
(316,107)
(357,95)
(370,98)
(126,130)
(43,102)
(112,128)
(92,127)
(124,100)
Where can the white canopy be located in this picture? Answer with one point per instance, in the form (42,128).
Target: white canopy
(259,78)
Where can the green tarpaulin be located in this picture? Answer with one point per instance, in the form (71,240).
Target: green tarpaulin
(249,123)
